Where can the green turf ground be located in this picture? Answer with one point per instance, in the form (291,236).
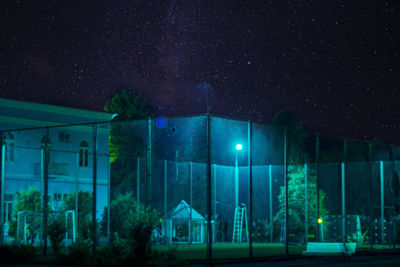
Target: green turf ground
(230,250)
(235,250)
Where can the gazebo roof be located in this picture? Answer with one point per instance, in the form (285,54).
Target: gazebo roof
(182,211)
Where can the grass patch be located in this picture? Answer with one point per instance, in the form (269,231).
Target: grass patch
(230,250)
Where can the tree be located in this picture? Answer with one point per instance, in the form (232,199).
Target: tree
(128,217)
(296,157)
(85,200)
(127,139)
(120,208)
(297,201)
(56,231)
(128,105)
(28,201)
(295,136)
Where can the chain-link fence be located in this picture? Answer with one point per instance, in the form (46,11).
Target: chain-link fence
(217,188)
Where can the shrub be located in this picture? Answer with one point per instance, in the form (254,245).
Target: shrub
(56,231)
(141,224)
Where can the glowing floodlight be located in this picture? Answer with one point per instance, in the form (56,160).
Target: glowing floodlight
(239,147)
(320,220)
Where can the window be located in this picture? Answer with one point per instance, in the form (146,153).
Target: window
(9,142)
(83,154)
(57,197)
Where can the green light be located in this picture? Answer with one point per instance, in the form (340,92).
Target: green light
(239,147)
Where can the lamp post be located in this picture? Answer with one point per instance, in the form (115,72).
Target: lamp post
(238,148)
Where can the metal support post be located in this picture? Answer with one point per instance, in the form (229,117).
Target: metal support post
(137,183)
(382,203)
(343,203)
(344,188)
(286,192)
(249,159)
(191,200)
(271,222)
(42,152)
(214,192)
(209,191)
(306,202)
(370,202)
(392,159)
(72,212)
(319,226)
(108,203)
(77,190)
(94,207)
(149,163)
(46,190)
(2,184)
(165,197)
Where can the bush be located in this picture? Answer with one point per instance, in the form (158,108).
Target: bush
(56,231)
(78,253)
(141,225)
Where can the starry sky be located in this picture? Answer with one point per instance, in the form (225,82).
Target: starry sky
(335,64)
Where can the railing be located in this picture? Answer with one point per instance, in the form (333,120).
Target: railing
(55,169)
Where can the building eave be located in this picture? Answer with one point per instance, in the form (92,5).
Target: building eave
(29,106)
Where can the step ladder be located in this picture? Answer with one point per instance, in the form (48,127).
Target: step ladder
(240,216)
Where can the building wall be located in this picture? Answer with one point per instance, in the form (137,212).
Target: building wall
(64,171)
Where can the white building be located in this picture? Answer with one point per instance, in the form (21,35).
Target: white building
(71,151)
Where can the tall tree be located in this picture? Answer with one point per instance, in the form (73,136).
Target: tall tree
(297,156)
(127,139)
(295,136)
(29,202)
(85,200)
(128,105)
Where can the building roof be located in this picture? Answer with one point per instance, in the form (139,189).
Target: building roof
(182,211)
(19,115)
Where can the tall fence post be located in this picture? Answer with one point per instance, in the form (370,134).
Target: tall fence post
(381,172)
(42,152)
(317,183)
(343,203)
(271,220)
(305,203)
(94,207)
(371,211)
(108,203)
(286,192)
(209,196)
(393,216)
(250,162)
(191,201)
(2,171)
(344,165)
(149,163)
(137,183)
(46,190)
(165,198)
(77,192)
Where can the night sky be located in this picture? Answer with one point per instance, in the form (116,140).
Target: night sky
(335,64)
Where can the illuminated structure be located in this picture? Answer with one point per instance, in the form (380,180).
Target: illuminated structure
(70,150)
(297,187)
